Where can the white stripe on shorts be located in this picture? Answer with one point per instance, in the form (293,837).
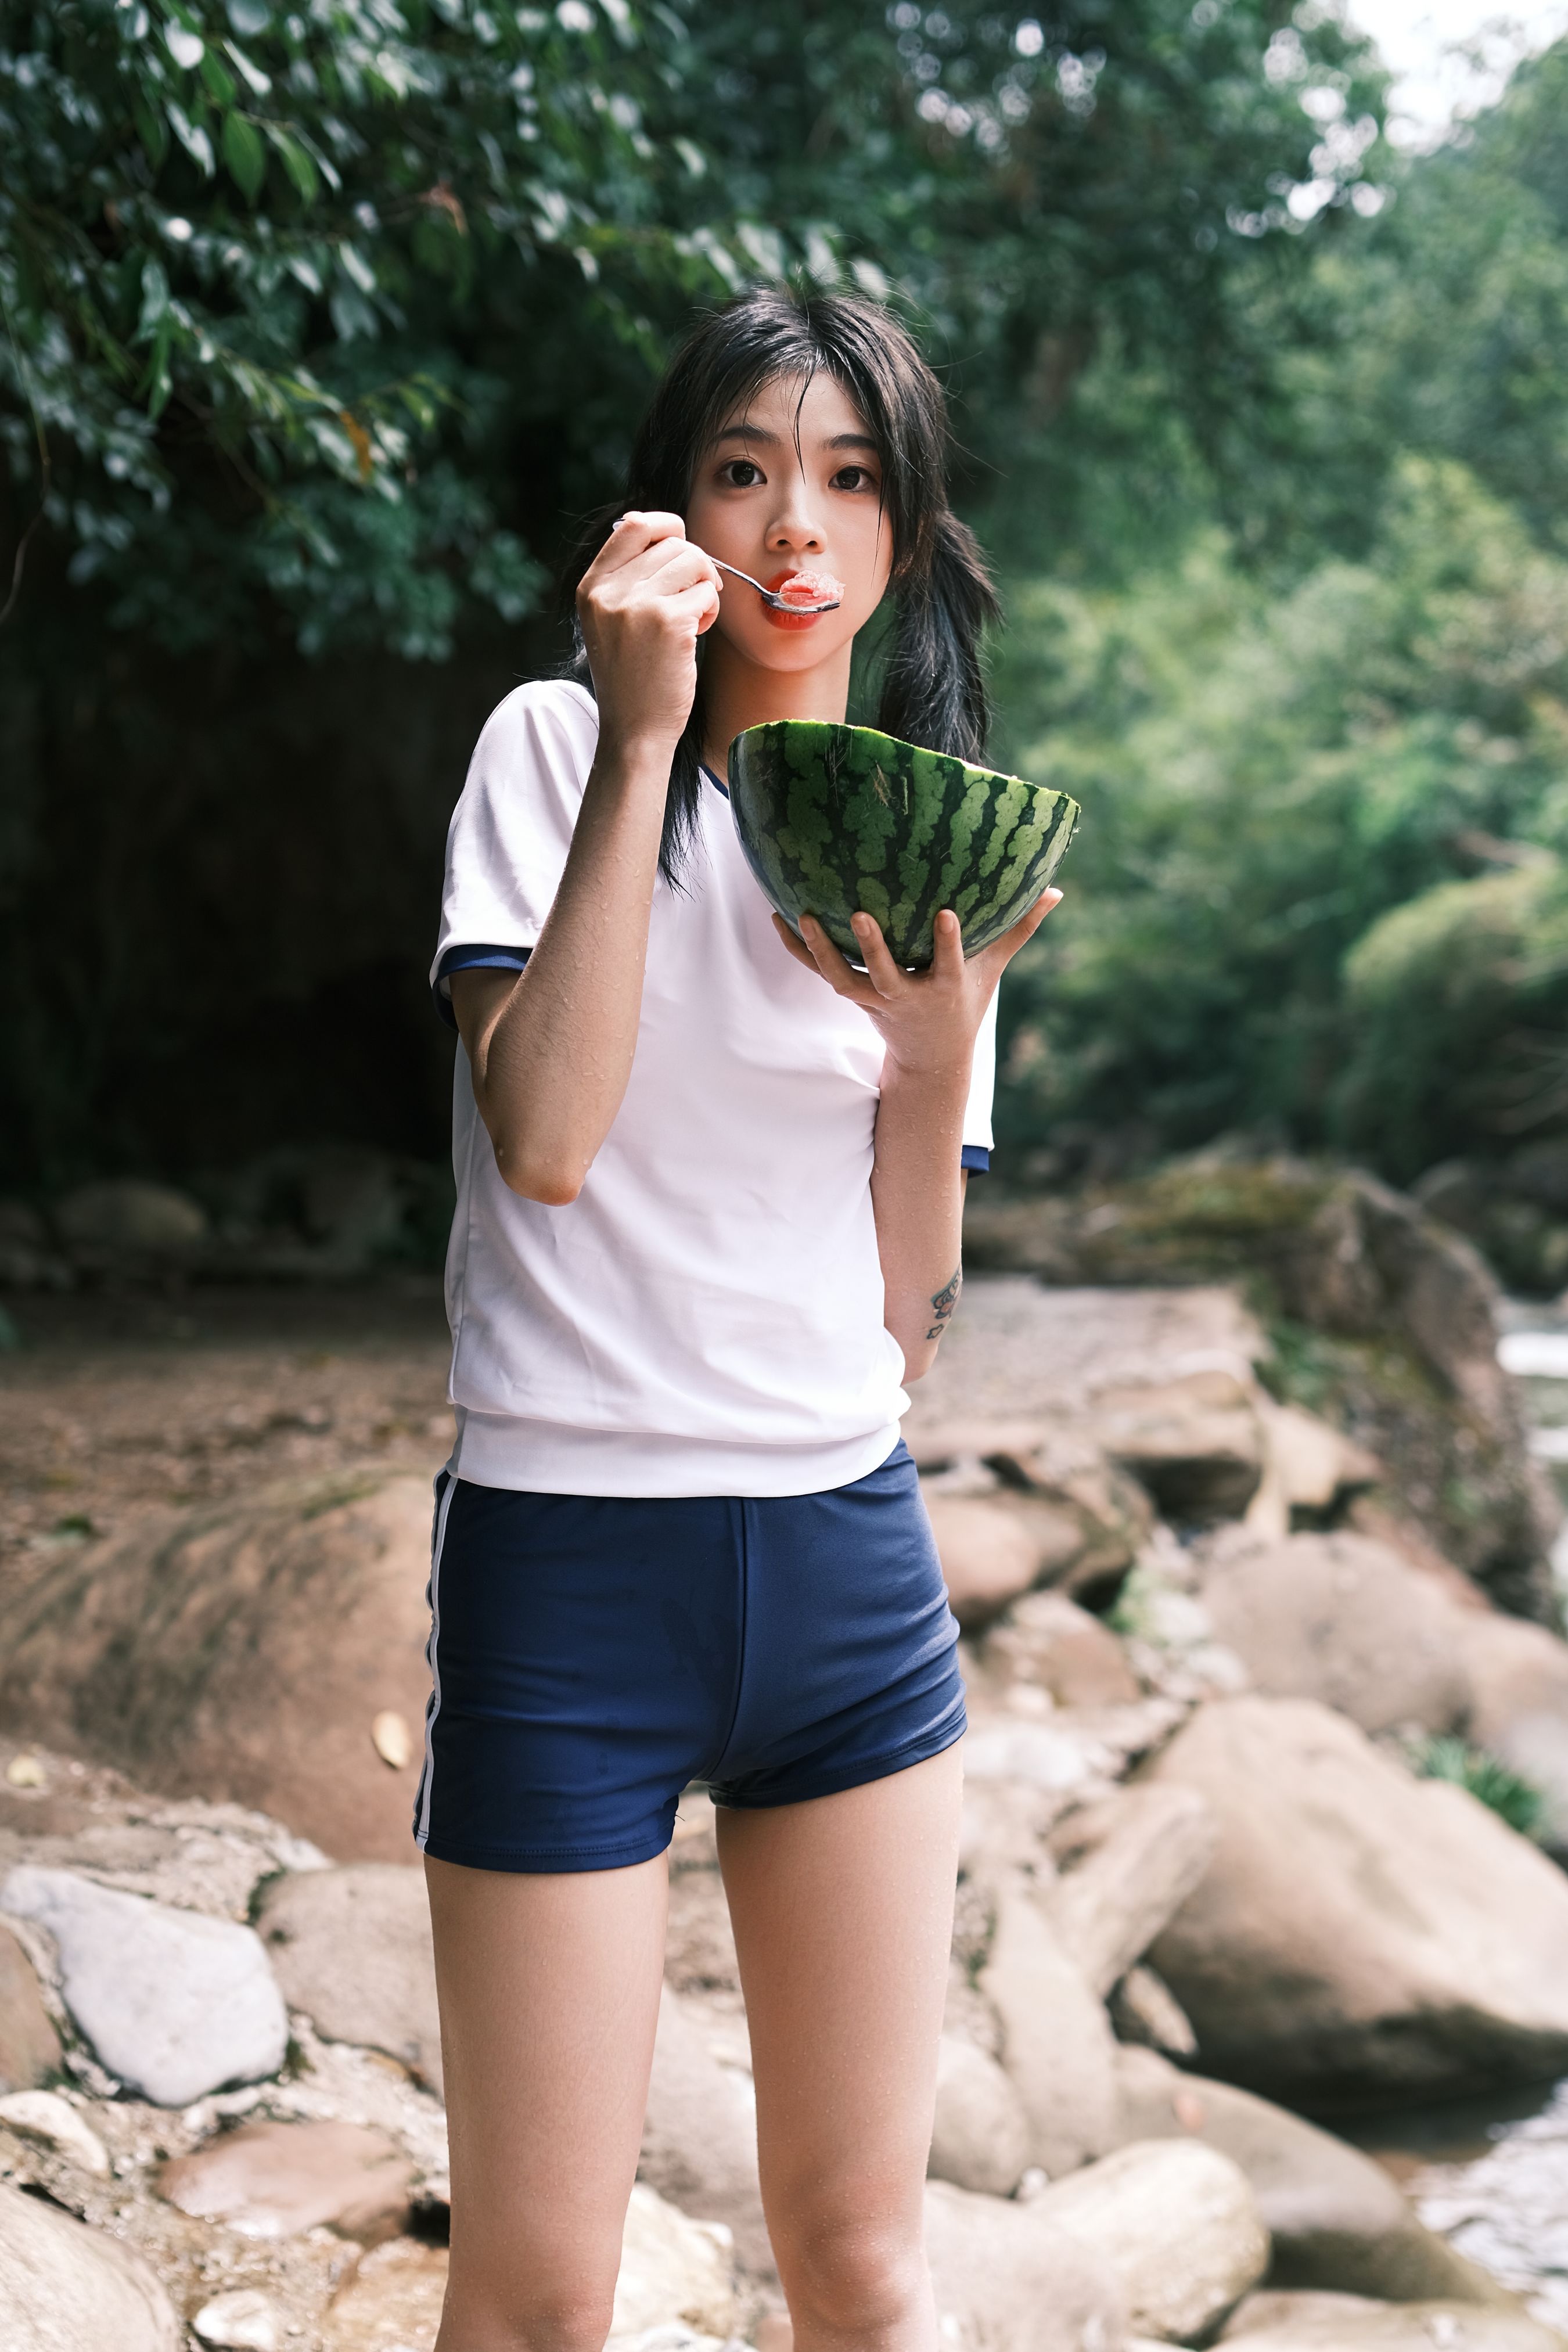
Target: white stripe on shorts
(433,1705)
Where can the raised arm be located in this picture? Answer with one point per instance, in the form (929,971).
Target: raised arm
(929,1022)
(551,1047)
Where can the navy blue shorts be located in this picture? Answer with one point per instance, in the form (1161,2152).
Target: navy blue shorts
(591,1656)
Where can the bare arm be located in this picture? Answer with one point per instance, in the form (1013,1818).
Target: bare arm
(551,1047)
(929,1022)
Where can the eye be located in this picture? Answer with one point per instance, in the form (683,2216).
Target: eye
(741,473)
(853,477)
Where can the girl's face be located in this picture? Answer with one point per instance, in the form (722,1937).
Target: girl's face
(790,485)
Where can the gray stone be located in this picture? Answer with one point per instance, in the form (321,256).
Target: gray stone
(1145,2011)
(1128,1863)
(275,2179)
(1057,2043)
(981,2139)
(174,2003)
(29,2046)
(1177,2224)
(700,2138)
(1008,2280)
(43,2117)
(1345,1619)
(122,1217)
(65,2288)
(1347,2323)
(242,2321)
(352,1948)
(1359,1934)
(1336,2218)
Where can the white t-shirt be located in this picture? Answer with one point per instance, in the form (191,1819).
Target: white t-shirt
(706,1316)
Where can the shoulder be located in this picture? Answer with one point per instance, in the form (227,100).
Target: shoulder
(550,724)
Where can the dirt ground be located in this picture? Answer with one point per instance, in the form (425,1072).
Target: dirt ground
(114,1405)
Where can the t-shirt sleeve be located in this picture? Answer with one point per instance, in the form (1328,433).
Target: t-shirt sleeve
(512,827)
(976,1153)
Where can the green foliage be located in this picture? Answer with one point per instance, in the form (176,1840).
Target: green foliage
(1514,1800)
(293,300)
(1263,781)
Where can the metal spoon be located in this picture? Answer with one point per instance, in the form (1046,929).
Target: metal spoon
(770,596)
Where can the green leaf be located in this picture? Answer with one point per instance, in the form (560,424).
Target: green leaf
(245,154)
(218,79)
(192,136)
(152,131)
(297,162)
(154,300)
(160,383)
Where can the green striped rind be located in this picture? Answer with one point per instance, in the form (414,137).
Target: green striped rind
(838,820)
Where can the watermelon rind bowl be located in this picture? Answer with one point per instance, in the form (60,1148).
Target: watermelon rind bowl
(835,819)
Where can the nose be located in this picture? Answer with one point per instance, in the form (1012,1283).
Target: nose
(795,528)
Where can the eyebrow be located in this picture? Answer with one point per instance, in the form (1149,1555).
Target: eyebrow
(760,433)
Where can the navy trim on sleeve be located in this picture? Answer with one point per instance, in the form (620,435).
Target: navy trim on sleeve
(473,959)
(976,1158)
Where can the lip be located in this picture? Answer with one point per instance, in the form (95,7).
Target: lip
(786,621)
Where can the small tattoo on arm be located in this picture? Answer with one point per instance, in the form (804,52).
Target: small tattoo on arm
(943,1301)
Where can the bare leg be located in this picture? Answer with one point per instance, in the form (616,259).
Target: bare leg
(549,1986)
(843,1914)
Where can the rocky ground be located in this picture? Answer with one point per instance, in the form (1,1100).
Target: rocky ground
(1227,1901)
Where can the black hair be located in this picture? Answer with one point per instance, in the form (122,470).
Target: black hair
(933,687)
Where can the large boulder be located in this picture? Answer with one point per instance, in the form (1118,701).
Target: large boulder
(276,2179)
(65,2288)
(244,1650)
(1047,1642)
(1128,1861)
(173,2003)
(994,1547)
(352,1948)
(1057,2043)
(699,2135)
(1345,1619)
(981,2139)
(1336,2218)
(1359,1935)
(1348,2322)
(1007,2279)
(672,2269)
(1176,2223)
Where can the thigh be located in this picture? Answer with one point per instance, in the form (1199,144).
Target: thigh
(549,1988)
(843,1914)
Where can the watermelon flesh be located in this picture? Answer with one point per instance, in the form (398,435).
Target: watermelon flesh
(811,588)
(836,821)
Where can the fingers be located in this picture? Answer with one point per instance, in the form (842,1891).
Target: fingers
(632,534)
(885,975)
(947,948)
(819,955)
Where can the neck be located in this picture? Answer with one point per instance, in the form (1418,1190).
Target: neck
(738,693)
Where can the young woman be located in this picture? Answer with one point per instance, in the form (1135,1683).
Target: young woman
(710,1189)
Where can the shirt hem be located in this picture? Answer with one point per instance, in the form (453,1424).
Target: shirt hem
(536,1457)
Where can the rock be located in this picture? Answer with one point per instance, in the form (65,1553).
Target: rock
(1008,2280)
(1517,1677)
(982,2135)
(1196,1443)
(1359,1935)
(29,2046)
(352,1948)
(392,2303)
(1336,2217)
(1128,1863)
(275,2179)
(1312,1462)
(120,1218)
(391,1740)
(700,2136)
(1056,2044)
(1345,1619)
(65,2288)
(1144,2011)
(174,2003)
(1348,2322)
(994,1547)
(671,2268)
(1176,2223)
(245,2321)
(1407,1308)
(45,2116)
(241,1651)
(1048,1643)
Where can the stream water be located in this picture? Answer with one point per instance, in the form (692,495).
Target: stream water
(1493,2179)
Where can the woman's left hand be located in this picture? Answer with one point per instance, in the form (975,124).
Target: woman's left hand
(928,1020)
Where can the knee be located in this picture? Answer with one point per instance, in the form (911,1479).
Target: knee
(859,2276)
(531,2319)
